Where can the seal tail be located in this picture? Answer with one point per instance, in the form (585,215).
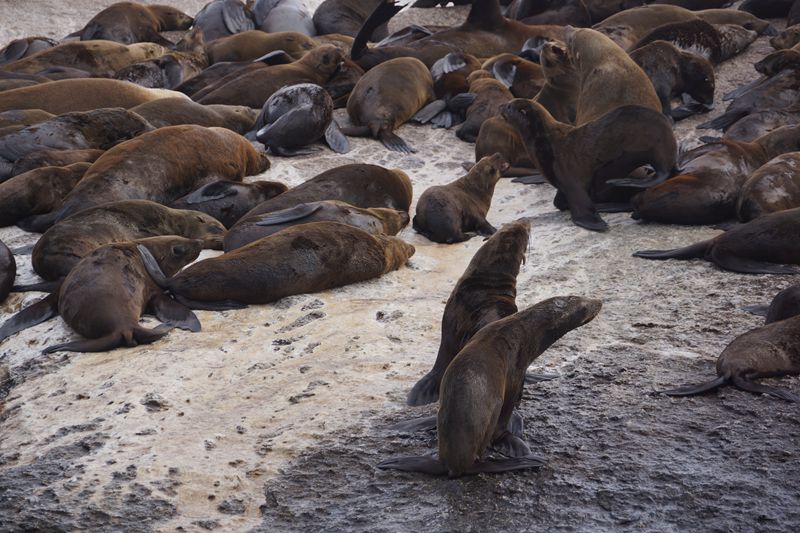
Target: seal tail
(152,267)
(383,13)
(746,385)
(691,390)
(41,311)
(694,251)
(426,390)
(139,335)
(724,121)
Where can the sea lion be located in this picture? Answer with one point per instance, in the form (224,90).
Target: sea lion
(37,191)
(27,46)
(579,160)
(767,9)
(72,239)
(178,159)
(734,39)
(485,292)
(764,245)
(255,87)
(386,97)
(23,117)
(628,26)
(775,186)
(769,351)
(489,96)
(8,271)
(451,213)
(54,158)
(220,18)
(786,304)
(300,259)
(359,185)
(282,15)
(498,136)
(484,383)
(295,117)
(250,45)
(65,96)
(709,179)
(347,17)
(175,111)
(228,201)
(757,124)
(129,22)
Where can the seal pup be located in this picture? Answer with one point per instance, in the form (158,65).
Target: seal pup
(228,201)
(8,271)
(300,259)
(787,38)
(485,292)
(487,95)
(253,44)
(484,383)
(757,124)
(769,351)
(498,136)
(765,245)
(775,186)
(220,18)
(37,191)
(346,17)
(386,97)
(297,116)
(175,111)
(451,213)
(129,22)
(282,15)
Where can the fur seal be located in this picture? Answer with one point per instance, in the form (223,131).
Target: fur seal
(282,15)
(54,158)
(220,18)
(37,191)
(522,77)
(559,95)
(786,304)
(769,351)
(129,22)
(498,136)
(450,213)
(485,292)
(628,26)
(565,12)
(188,59)
(253,44)
(228,201)
(488,95)
(757,124)
(255,87)
(696,36)
(295,117)
(8,271)
(22,48)
(579,160)
(359,185)
(484,383)
(300,259)
(386,97)
(787,38)
(739,18)
(709,179)
(175,111)
(764,245)
(72,239)
(346,17)
(23,117)
(775,186)
(65,96)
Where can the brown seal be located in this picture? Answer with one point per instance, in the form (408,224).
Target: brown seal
(54,158)
(762,246)
(347,17)
(769,351)
(579,160)
(786,304)
(498,136)
(359,185)
(129,22)
(256,86)
(696,36)
(64,96)
(8,271)
(37,191)
(386,97)
(300,259)
(709,179)
(484,383)
(451,213)
(775,186)
(489,95)
(228,201)
(522,77)
(485,292)
(175,111)
(250,45)
(72,239)
(739,18)
(787,38)
(757,124)
(626,27)
(559,95)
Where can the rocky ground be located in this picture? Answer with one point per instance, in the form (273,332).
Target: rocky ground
(273,417)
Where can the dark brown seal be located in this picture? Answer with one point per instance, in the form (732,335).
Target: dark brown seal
(228,201)
(250,45)
(129,22)
(489,96)
(54,158)
(522,77)
(360,185)
(579,161)
(775,186)
(485,292)
(175,111)
(301,259)
(484,383)
(786,304)
(762,246)
(451,213)
(696,36)
(559,95)
(8,271)
(498,136)
(37,191)
(346,17)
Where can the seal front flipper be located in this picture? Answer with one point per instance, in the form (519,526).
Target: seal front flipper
(336,139)
(152,267)
(425,423)
(486,229)
(496,466)
(744,265)
(41,311)
(427,113)
(691,390)
(461,101)
(739,91)
(277,57)
(532,377)
(292,152)
(38,223)
(235,18)
(173,313)
(425,391)
(723,121)
(511,446)
(44,286)
(516,424)
(694,251)
(446,120)
(394,143)
(505,72)
(749,386)
(590,221)
(283,216)
(415,463)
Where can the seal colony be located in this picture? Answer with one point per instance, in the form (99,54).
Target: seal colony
(334,229)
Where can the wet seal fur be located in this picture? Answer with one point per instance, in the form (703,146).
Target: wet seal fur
(485,292)
(450,213)
(228,201)
(775,186)
(765,245)
(300,259)
(484,383)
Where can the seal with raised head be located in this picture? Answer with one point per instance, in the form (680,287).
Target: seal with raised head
(129,22)
(359,185)
(8,271)
(559,94)
(176,111)
(765,245)
(484,383)
(298,260)
(775,186)
(228,201)
(451,213)
(253,44)
(485,292)
(346,17)
(386,97)
(579,160)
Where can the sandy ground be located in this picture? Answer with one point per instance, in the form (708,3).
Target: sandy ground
(273,417)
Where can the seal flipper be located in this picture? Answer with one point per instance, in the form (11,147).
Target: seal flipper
(427,113)
(207,194)
(394,143)
(292,152)
(383,13)
(425,391)
(173,313)
(511,446)
(152,267)
(115,340)
(724,121)
(532,377)
(691,390)
(291,214)
(235,19)
(276,57)
(336,139)
(694,251)
(449,63)
(425,423)
(744,265)
(758,310)
(44,286)
(496,466)
(427,464)
(461,101)
(516,424)
(41,311)
(220,305)
(749,386)
(739,91)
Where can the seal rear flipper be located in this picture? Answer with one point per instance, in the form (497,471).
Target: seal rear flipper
(175,314)
(689,110)
(495,466)
(356,131)
(449,63)
(516,424)
(511,446)
(446,119)
(532,377)
(147,336)
(221,305)
(292,152)
(590,221)
(425,423)
(235,19)
(382,14)
(758,310)
(276,57)
(44,286)
(461,101)
(291,214)
(709,139)
(394,143)
(335,139)
(749,386)
(724,121)
(691,390)
(426,114)
(749,266)
(425,391)
(152,267)
(41,311)
(426,464)
(695,251)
